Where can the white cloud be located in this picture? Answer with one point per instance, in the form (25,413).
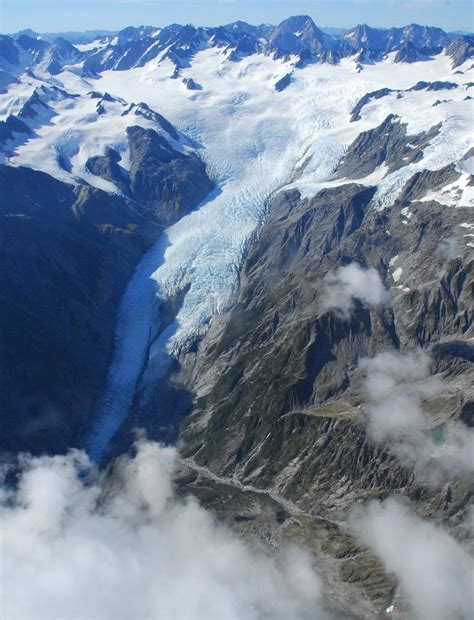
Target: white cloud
(395,386)
(435,573)
(435,461)
(448,249)
(75,545)
(350,282)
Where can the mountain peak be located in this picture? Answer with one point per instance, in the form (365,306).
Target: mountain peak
(297,24)
(297,33)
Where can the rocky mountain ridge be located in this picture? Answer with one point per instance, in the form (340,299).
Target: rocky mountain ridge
(69,252)
(241,263)
(279,377)
(296,37)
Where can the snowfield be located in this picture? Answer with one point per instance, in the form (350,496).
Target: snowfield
(254,141)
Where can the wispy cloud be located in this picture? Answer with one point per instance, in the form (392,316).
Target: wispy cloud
(396,387)
(434,571)
(350,282)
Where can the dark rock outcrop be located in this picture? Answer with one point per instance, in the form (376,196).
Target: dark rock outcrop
(460,50)
(278,377)
(367,98)
(62,53)
(420,37)
(408,53)
(428,180)
(297,33)
(191,84)
(6,79)
(8,51)
(363,37)
(142,109)
(68,253)
(279,350)
(413,42)
(107,167)
(166,182)
(11,126)
(283,82)
(434,86)
(388,143)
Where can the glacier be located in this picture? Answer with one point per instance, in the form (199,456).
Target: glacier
(249,159)
(254,141)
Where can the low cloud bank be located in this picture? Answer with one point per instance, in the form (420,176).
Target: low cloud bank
(396,384)
(76,546)
(350,282)
(434,571)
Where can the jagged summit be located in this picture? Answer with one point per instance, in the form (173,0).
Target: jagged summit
(297,33)
(295,37)
(363,37)
(461,49)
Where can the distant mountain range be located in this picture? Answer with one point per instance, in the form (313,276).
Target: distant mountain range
(297,37)
(74,37)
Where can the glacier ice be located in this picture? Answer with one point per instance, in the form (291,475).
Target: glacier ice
(254,141)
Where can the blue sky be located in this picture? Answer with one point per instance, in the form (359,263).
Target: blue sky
(57,15)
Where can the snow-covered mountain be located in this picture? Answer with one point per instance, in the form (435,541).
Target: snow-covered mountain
(296,36)
(176,203)
(252,104)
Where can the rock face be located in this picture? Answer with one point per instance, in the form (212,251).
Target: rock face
(298,36)
(434,86)
(11,126)
(386,144)
(278,378)
(8,50)
(68,253)
(409,53)
(62,53)
(142,109)
(107,167)
(166,182)
(310,359)
(428,180)
(283,82)
(363,37)
(367,98)
(461,49)
(380,42)
(297,33)
(191,84)
(6,79)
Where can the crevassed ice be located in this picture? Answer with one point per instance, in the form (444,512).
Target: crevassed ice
(255,141)
(251,151)
(202,252)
